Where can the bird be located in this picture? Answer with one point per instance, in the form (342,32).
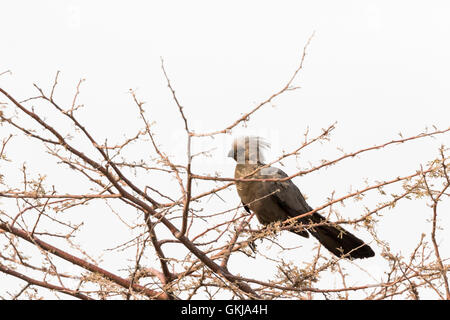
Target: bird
(278,201)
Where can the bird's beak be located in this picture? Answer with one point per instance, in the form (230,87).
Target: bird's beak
(231,153)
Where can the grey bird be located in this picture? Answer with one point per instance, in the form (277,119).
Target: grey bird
(274,201)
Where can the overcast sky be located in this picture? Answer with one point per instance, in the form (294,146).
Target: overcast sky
(376,68)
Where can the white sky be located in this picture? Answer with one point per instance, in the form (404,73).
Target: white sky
(376,67)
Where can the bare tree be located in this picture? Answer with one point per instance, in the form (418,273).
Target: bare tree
(179,245)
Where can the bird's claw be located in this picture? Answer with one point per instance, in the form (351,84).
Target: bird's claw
(252,245)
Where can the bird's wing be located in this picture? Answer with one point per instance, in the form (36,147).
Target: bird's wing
(285,193)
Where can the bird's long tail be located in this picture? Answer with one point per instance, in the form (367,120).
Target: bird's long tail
(338,240)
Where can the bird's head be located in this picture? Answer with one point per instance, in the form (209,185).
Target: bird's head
(248,149)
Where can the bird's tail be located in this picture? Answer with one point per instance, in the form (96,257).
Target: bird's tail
(338,240)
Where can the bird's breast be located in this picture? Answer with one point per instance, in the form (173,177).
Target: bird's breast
(262,204)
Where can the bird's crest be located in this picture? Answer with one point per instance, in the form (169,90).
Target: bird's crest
(249,149)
